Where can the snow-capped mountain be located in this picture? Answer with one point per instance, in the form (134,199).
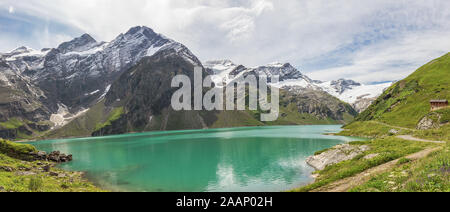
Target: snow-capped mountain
(351,91)
(221,70)
(94,64)
(342,85)
(225,71)
(81,45)
(360,96)
(354,93)
(78,73)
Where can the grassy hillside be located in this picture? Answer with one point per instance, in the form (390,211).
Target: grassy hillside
(430,174)
(18,174)
(407,101)
(398,111)
(386,149)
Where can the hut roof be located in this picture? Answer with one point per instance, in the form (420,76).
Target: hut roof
(439,101)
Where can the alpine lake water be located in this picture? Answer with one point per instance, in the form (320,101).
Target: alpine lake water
(248,159)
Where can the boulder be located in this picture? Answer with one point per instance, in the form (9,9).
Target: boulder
(54,156)
(336,155)
(393,132)
(41,154)
(25,173)
(6,168)
(46,168)
(430,121)
(62,158)
(425,124)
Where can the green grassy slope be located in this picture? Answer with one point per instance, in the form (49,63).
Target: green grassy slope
(407,101)
(427,175)
(18,174)
(387,149)
(401,107)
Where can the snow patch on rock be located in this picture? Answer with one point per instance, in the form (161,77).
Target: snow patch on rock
(63,116)
(105,92)
(355,92)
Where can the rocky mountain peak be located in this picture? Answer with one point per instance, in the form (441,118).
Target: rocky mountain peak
(140,30)
(86,37)
(361,96)
(342,85)
(78,44)
(22,49)
(285,70)
(142,34)
(345,81)
(278,64)
(224,62)
(140,41)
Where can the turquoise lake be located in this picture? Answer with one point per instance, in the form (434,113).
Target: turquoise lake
(250,159)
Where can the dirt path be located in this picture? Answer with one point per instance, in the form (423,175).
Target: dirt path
(395,127)
(350,182)
(411,138)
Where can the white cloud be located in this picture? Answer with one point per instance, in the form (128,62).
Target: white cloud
(393,59)
(368,41)
(11,9)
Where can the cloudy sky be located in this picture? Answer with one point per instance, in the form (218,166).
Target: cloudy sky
(368,41)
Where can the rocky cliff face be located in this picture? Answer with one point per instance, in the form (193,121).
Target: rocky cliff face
(60,83)
(319,103)
(363,103)
(78,73)
(22,99)
(145,91)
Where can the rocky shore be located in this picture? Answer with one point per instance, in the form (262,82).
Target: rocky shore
(54,156)
(42,162)
(335,155)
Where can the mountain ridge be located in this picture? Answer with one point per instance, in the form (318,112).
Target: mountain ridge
(358,95)
(76,84)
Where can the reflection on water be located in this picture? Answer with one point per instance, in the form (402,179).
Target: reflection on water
(237,159)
